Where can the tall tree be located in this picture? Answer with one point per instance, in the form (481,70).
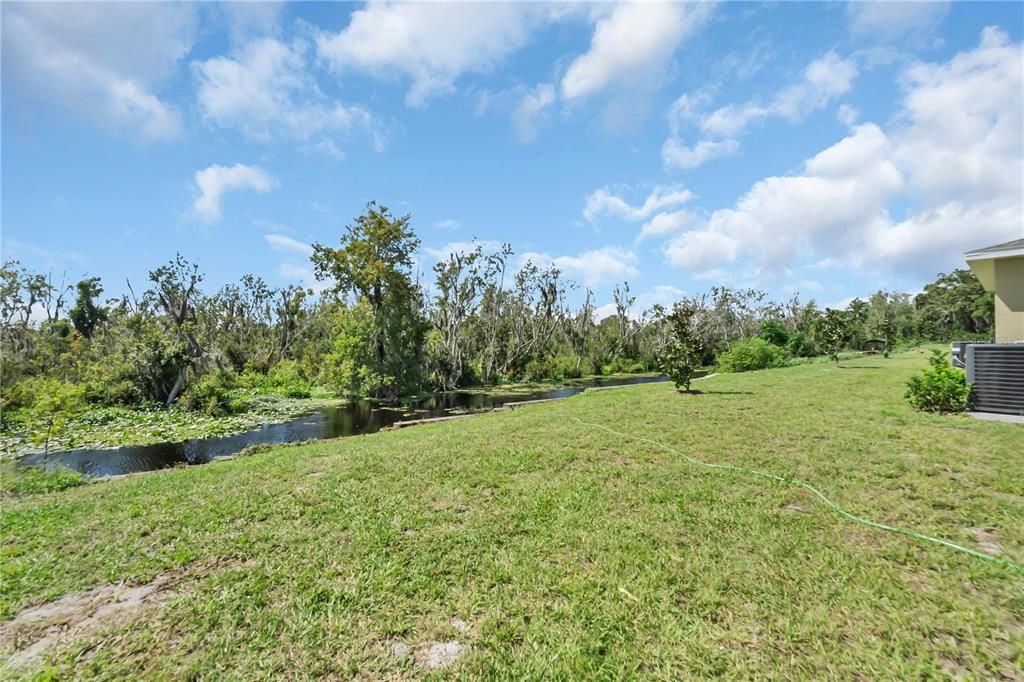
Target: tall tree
(459,282)
(177,290)
(85,315)
(373,264)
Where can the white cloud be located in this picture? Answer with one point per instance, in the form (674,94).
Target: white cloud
(823,80)
(888,21)
(264,91)
(529,115)
(847,115)
(702,253)
(604,202)
(100,61)
(955,155)
(214,181)
(665,224)
(433,44)
(664,295)
(631,44)
(442,252)
(675,154)
(966,118)
(447,224)
(607,264)
(251,19)
(286,244)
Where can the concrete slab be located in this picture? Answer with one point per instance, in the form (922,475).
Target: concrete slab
(994,417)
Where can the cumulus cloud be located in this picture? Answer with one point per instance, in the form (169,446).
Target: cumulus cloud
(264,90)
(214,181)
(954,154)
(823,80)
(666,223)
(100,61)
(604,202)
(285,244)
(607,264)
(432,44)
(633,42)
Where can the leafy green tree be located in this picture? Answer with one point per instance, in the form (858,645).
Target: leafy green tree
(681,356)
(85,315)
(459,283)
(856,316)
(889,334)
(55,402)
(952,305)
(373,263)
(176,290)
(832,332)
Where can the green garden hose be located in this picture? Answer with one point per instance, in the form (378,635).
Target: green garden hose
(806,486)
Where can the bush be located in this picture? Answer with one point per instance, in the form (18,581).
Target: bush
(800,345)
(211,394)
(750,355)
(774,333)
(284,379)
(623,366)
(940,388)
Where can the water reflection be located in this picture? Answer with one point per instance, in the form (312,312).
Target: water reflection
(345,420)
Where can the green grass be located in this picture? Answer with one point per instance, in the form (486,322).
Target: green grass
(570,552)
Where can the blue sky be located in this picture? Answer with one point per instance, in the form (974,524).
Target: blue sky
(828,149)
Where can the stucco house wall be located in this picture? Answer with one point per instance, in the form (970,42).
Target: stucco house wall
(1000,269)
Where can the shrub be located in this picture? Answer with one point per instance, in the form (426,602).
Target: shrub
(800,345)
(774,333)
(623,366)
(750,355)
(211,394)
(940,388)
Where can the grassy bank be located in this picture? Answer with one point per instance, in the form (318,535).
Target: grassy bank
(547,549)
(22,433)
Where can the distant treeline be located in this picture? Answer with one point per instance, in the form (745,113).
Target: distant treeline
(375,331)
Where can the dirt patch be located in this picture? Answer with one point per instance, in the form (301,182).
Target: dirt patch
(34,632)
(986,540)
(431,655)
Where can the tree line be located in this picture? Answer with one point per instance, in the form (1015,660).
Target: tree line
(374,330)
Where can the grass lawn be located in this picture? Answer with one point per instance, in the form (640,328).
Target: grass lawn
(547,549)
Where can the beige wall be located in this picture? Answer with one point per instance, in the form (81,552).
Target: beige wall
(1009,274)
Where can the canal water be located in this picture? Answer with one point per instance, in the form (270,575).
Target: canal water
(344,420)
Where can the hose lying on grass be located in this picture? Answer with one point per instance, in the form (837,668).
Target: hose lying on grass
(810,488)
